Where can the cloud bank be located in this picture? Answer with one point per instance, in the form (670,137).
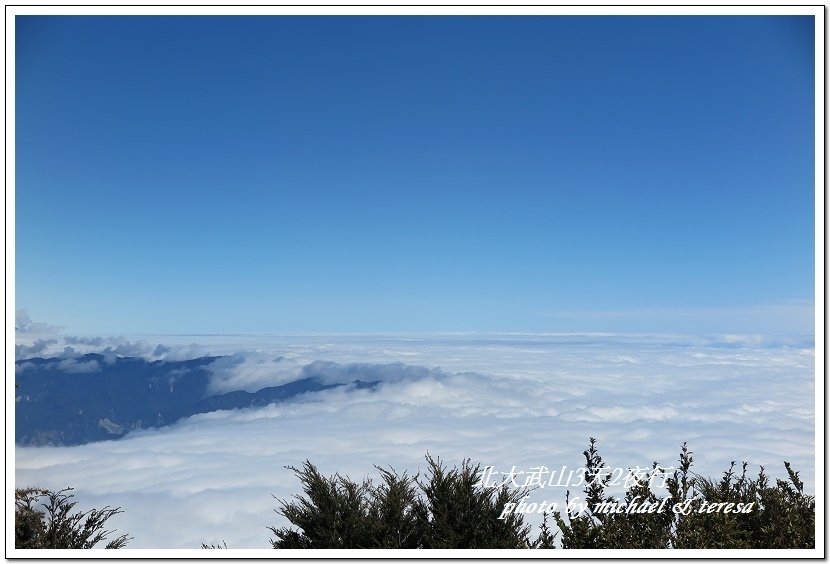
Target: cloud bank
(504,400)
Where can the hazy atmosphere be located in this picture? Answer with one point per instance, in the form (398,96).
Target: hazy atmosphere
(356,240)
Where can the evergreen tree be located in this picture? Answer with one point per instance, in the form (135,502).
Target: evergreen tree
(450,508)
(44,519)
(779,516)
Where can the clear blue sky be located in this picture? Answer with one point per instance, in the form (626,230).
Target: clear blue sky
(348,174)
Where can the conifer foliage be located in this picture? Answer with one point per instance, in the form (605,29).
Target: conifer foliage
(44,519)
(780,516)
(450,508)
(446,509)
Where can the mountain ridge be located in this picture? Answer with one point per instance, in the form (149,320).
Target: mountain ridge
(93,397)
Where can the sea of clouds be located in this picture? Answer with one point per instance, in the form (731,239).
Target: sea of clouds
(507,400)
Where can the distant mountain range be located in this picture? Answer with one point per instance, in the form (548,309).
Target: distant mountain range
(71,401)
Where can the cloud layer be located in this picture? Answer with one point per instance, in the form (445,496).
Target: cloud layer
(505,400)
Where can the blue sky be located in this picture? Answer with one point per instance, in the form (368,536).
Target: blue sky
(374,174)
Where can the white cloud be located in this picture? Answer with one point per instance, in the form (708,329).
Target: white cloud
(24,324)
(29,345)
(39,347)
(251,371)
(73,366)
(500,399)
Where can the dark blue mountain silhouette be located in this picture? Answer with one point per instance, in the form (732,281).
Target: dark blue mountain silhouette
(93,397)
